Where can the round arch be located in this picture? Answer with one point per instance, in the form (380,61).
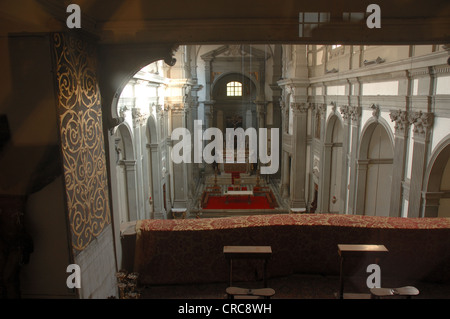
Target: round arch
(239,110)
(125,200)
(434,175)
(374,169)
(119,65)
(331,175)
(151,131)
(367,132)
(332,119)
(234,76)
(127,141)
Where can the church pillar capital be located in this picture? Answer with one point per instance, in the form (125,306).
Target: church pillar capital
(423,123)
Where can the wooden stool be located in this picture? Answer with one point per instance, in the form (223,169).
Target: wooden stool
(407,292)
(265,293)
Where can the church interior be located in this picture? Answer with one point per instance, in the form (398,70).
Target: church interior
(346,142)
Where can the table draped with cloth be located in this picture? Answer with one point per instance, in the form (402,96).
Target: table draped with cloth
(191,250)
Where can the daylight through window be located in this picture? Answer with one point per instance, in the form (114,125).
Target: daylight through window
(234,89)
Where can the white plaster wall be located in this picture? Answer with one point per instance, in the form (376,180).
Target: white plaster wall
(365,116)
(386,116)
(329,111)
(441,129)
(336,90)
(98,267)
(380,88)
(319,90)
(443,85)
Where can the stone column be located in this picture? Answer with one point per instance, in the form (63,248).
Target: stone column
(423,123)
(298,164)
(157,197)
(276,97)
(180,171)
(139,119)
(323,196)
(194,117)
(345,159)
(261,113)
(132,197)
(208,61)
(209,114)
(285,175)
(400,151)
(285,169)
(354,113)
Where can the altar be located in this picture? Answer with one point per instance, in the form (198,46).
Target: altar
(238,194)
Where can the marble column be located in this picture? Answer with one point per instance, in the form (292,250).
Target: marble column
(180,171)
(423,122)
(400,118)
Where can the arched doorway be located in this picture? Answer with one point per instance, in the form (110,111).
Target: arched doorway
(333,166)
(124,163)
(444,204)
(375,165)
(437,183)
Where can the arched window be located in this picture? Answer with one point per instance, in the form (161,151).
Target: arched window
(234,88)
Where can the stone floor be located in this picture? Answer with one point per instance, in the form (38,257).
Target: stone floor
(291,287)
